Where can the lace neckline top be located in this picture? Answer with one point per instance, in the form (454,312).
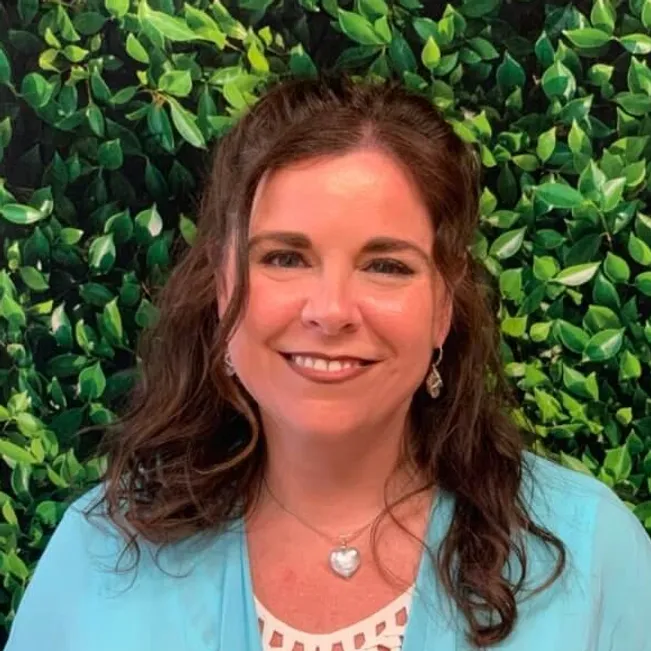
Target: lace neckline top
(381,631)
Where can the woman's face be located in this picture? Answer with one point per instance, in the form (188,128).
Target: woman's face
(345,307)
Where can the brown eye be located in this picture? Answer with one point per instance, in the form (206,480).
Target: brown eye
(282,259)
(392,267)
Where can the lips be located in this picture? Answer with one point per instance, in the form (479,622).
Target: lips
(328,358)
(341,358)
(317,369)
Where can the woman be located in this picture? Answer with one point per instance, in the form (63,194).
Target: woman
(295,393)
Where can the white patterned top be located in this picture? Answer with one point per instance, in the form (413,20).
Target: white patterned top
(382,631)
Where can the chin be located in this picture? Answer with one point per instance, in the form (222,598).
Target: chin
(327,425)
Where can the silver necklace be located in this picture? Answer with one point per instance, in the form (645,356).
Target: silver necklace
(344,560)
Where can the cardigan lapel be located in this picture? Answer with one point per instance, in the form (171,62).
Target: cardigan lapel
(433,615)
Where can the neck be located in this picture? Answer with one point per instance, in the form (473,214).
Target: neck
(336,483)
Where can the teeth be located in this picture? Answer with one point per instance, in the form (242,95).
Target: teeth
(321,364)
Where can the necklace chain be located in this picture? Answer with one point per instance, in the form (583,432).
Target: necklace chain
(343,539)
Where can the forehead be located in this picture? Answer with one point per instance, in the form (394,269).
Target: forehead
(364,190)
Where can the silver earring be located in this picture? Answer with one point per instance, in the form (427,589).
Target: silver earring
(228,365)
(434,382)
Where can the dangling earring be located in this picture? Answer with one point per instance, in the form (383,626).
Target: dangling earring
(434,382)
(228,364)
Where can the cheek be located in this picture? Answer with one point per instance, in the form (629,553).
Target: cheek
(402,316)
(271,306)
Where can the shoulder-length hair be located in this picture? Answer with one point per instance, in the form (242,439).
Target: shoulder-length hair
(188,455)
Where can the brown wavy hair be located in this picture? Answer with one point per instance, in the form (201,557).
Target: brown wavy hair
(188,455)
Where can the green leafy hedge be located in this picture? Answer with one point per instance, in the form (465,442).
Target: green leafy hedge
(108,111)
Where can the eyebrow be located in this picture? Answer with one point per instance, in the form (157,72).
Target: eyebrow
(301,241)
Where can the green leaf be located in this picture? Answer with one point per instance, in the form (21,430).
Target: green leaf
(514,326)
(643,283)
(113,320)
(15,453)
(559,195)
(65,25)
(401,54)
(232,27)
(101,254)
(603,15)
(89,22)
(639,250)
(510,284)
(101,91)
(383,29)
(95,120)
(148,225)
(27,9)
(173,28)
(646,14)
(257,58)
(579,384)
(558,81)
(544,50)
(74,53)
(604,345)
(591,181)
(110,154)
(600,317)
(616,268)
(188,229)
(604,292)
(510,73)
(572,337)
(577,274)
(540,331)
(587,37)
(546,144)
(478,8)
(21,214)
(185,124)
(545,267)
(12,311)
(508,243)
(5,68)
(612,193)
(629,366)
(618,463)
(431,54)
(176,82)
(135,49)
(484,48)
(578,140)
(61,328)
(636,43)
(33,278)
(92,382)
(36,90)
(358,28)
(203,25)
(117,7)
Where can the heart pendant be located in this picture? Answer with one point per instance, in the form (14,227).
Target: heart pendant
(345,561)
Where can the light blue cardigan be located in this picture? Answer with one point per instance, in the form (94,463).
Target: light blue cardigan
(75,602)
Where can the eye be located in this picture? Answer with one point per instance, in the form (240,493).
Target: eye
(282,259)
(390,266)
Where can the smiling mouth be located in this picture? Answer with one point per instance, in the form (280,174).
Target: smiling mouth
(318,368)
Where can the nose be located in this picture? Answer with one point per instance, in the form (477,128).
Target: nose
(330,305)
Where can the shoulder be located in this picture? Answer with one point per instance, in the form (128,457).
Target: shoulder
(562,496)
(599,529)
(86,525)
